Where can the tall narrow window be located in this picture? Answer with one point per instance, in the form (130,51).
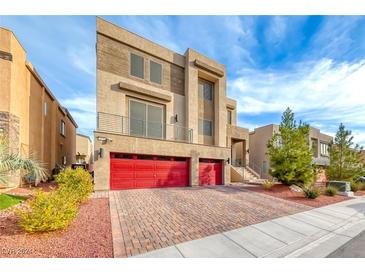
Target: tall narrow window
(63,128)
(324,149)
(314,143)
(229,117)
(137,66)
(45,108)
(205,127)
(206,90)
(155,72)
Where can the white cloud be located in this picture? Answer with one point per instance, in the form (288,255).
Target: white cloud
(322,92)
(83,110)
(83,58)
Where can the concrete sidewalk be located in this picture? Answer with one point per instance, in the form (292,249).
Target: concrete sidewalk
(314,233)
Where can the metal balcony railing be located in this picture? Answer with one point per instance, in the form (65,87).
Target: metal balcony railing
(140,128)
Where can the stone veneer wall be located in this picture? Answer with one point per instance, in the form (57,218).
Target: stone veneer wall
(9,126)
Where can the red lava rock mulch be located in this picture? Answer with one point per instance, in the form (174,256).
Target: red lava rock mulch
(28,191)
(360,193)
(284,192)
(88,236)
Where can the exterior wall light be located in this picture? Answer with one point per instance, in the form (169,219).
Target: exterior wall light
(104,140)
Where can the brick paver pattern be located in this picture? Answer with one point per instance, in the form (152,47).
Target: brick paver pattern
(147,219)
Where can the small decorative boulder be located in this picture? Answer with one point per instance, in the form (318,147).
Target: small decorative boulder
(295,188)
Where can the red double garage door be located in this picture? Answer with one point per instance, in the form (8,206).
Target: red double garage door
(128,171)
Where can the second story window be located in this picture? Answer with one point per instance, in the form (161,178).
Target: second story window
(206,90)
(229,117)
(45,108)
(206,127)
(155,72)
(137,66)
(324,149)
(63,128)
(146,119)
(314,143)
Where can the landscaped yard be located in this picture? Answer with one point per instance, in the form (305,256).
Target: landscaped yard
(59,222)
(7,200)
(284,192)
(89,235)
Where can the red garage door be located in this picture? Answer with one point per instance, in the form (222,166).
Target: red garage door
(145,171)
(210,172)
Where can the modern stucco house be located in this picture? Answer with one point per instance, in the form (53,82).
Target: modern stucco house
(163,118)
(259,138)
(32,119)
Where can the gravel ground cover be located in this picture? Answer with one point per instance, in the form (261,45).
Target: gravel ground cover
(284,192)
(89,235)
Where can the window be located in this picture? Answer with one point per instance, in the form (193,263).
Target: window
(229,117)
(64,160)
(155,72)
(63,128)
(205,127)
(137,66)
(279,141)
(324,149)
(314,144)
(206,90)
(146,119)
(45,108)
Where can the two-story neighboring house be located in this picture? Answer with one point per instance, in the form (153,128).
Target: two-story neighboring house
(259,160)
(34,122)
(163,119)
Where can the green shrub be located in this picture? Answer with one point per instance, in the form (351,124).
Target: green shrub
(331,191)
(78,181)
(48,212)
(311,192)
(355,186)
(55,210)
(268,184)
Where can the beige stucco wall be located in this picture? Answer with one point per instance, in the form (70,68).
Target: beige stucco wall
(258,147)
(129,144)
(84,147)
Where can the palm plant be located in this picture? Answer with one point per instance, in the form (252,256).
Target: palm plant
(12,162)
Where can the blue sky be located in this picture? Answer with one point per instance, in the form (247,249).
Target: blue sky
(315,65)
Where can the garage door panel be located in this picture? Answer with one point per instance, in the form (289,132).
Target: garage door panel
(145,182)
(140,173)
(210,173)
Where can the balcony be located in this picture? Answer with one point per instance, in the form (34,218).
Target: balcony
(237,132)
(123,125)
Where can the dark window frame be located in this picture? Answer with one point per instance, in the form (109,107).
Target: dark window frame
(161,72)
(131,63)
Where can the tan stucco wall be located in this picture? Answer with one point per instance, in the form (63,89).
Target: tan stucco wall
(258,146)
(129,144)
(84,147)
(23,94)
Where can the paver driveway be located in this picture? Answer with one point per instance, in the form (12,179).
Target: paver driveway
(148,219)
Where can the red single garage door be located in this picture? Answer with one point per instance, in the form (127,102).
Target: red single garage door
(129,171)
(210,172)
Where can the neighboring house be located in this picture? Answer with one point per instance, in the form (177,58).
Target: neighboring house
(163,119)
(36,124)
(84,150)
(259,160)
